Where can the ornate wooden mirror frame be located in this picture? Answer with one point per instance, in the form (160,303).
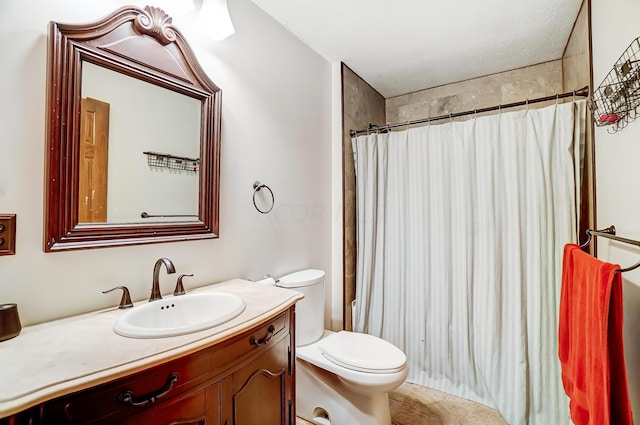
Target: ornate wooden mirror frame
(143,44)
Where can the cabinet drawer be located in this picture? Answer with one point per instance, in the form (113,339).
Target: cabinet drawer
(247,344)
(129,395)
(201,408)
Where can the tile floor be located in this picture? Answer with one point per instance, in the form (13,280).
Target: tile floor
(412,404)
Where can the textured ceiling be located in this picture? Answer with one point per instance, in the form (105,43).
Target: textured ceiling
(401,46)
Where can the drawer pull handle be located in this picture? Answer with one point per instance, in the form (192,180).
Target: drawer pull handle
(127,397)
(263,341)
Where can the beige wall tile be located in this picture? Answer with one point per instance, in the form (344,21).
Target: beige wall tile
(361,105)
(534,81)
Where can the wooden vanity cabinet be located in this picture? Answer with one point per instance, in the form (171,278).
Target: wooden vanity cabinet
(245,380)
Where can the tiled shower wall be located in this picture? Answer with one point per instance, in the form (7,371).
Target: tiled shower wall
(576,73)
(496,89)
(363,105)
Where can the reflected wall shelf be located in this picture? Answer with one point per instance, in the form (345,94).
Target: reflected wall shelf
(172,162)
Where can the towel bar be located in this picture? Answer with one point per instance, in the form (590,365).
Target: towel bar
(610,233)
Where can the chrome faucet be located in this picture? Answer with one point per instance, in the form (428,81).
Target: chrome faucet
(155,287)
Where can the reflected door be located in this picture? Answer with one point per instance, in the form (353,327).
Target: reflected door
(94,150)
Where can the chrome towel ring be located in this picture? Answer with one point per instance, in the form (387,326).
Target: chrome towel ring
(256,188)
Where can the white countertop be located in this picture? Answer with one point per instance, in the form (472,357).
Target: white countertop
(62,356)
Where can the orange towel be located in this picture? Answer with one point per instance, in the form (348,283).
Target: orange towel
(590,340)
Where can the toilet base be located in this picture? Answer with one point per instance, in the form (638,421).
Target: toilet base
(322,399)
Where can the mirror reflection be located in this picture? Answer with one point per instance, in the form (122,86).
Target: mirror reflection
(133,135)
(139,150)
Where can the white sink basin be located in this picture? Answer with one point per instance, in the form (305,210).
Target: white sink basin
(179,315)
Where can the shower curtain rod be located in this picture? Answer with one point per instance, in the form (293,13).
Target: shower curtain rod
(583,92)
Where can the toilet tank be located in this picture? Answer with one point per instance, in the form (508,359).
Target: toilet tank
(309,310)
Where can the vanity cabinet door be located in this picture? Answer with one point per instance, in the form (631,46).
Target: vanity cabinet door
(261,392)
(28,417)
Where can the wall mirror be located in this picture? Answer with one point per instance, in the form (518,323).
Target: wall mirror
(133,135)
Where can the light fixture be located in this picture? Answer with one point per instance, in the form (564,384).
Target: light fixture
(175,7)
(172,7)
(214,19)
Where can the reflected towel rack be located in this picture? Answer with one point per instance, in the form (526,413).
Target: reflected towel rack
(610,233)
(145,214)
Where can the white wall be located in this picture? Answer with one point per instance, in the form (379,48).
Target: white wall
(276,128)
(615,26)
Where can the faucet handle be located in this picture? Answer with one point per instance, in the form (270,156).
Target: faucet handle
(179,288)
(125,301)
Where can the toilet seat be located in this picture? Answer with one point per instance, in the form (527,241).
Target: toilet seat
(362,352)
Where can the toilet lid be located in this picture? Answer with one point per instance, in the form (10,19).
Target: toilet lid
(362,352)
(302,278)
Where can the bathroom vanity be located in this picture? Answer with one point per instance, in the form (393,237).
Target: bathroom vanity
(241,372)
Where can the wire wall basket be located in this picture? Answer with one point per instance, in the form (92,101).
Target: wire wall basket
(615,102)
(172,162)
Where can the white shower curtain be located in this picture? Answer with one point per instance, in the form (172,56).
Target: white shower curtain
(460,230)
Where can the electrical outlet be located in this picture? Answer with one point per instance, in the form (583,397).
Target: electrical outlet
(7,234)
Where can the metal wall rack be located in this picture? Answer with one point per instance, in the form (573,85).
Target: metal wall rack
(615,102)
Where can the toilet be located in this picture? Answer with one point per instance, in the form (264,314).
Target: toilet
(342,378)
